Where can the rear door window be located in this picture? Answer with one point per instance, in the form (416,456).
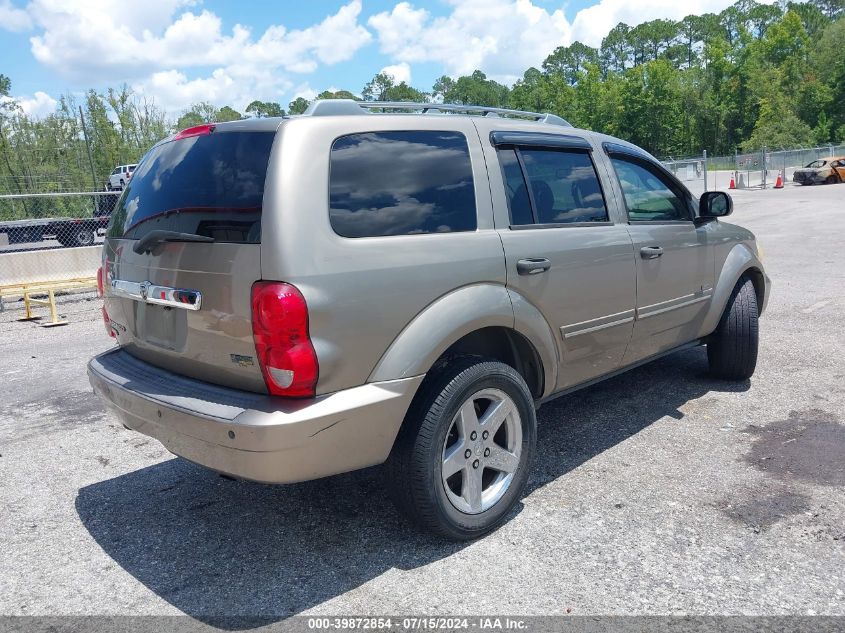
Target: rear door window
(401,183)
(211,185)
(564,186)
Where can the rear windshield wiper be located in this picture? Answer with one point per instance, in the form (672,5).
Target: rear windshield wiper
(153,238)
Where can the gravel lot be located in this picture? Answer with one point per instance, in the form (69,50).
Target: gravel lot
(657,492)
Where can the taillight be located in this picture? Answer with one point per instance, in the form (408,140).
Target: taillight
(197,130)
(280,330)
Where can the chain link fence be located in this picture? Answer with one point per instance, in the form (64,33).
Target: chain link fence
(54,220)
(65,169)
(758,169)
(50,245)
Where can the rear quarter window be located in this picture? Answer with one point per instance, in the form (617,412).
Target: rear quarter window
(401,183)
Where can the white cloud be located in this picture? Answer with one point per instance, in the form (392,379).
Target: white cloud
(592,24)
(503,37)
(80,38)
(400,72)
(156,48)
(38,106)
(12,18)
(305,91)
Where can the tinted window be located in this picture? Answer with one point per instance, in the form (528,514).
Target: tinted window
(564,185)
(401,183)
(648,194)
(211,185)
(518,202)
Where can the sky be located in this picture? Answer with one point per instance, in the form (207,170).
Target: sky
(179,52)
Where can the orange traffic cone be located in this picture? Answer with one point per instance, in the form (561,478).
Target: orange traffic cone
(779,182)
(733,184)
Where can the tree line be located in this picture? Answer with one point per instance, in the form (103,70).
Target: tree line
(751,76)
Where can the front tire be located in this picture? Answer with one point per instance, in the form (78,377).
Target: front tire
(732,348)
(464,452)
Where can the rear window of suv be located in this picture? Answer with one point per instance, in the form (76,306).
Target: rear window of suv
(211,185)
(401,183)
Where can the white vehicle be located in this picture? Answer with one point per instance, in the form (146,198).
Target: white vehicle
(119,178)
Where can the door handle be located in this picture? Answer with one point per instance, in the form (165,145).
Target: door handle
(651,252)
(533,266)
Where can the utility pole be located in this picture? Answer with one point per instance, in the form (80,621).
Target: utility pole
(88,147)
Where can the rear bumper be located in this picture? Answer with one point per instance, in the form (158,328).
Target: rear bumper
(249,435)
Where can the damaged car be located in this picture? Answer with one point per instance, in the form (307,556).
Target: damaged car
(826,171)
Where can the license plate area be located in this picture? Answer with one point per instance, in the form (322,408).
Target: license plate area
(161,326)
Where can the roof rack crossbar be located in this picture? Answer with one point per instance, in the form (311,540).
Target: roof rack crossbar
(348,106)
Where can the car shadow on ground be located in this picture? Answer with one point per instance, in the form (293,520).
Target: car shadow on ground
(214,547)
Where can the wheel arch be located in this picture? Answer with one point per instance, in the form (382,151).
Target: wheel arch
(474,320)
(741,261)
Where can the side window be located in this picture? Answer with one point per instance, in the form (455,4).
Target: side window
(401,183)
(564,186)
(116,171)
(648,196)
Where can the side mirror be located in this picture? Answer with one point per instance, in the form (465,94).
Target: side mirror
(715,204)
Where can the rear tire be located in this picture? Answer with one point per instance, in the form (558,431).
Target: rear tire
(832,180)
(732,348)
(464,452)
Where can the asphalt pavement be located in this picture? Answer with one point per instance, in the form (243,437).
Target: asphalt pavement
(660,491)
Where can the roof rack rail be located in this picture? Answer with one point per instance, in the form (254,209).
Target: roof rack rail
(329,107)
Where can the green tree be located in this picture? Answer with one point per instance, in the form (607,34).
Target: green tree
(339,94)
(778,127)
(813,19)
(830,70)
(762,16)
(188,119)
(569,61)
(615,48)
(376,89)
(443,86)
(534,92)
(227,114)
(690,33)
(474,89)
(5,89)
(651,114)
(261,109)
(298,105)
(833,9)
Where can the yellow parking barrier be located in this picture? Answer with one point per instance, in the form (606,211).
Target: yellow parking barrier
(26,290)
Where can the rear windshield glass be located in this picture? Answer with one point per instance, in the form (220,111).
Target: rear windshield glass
(209,185)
